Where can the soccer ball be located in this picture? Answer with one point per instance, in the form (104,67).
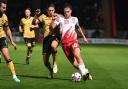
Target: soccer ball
(76,77)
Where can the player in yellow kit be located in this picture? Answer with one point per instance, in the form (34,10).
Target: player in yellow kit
(51,40)
(4,29)
(27,28)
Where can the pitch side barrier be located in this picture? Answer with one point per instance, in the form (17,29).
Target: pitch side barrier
(91,40)
(105,41)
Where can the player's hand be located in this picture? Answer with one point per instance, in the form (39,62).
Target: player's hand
(14,45)
(32,26)
(85,40)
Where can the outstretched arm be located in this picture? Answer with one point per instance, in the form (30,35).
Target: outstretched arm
(81,32)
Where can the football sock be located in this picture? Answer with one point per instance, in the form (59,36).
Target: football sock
(82,69)
(11,68)
(14,76)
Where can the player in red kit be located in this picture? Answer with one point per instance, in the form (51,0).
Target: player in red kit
(68,24)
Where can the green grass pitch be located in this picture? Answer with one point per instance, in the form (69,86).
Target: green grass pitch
(107,63)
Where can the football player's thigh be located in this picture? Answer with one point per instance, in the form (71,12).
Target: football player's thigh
(76,49)
(68,53)
(28,43)
(5,53)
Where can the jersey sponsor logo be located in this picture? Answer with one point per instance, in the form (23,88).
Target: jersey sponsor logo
(66,21)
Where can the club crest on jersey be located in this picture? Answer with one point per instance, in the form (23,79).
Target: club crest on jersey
(73,20)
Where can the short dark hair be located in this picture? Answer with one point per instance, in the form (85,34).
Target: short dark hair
(51,5)
(3,1)
(28,9)
(67,5)
(38,10)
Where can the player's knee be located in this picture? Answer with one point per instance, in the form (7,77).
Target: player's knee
(54,44)
(8,60)
(28,44)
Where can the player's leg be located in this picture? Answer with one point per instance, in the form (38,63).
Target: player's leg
(81,66)
(29,47)
(68,52)
(78,64)
(46,54)
(47,64)
(32,45)
(54,46)
(10,63)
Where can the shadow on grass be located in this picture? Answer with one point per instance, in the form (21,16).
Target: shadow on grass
(15,63)
(42,77)
(37,77)
(6,77)
(2,62)
(19,63)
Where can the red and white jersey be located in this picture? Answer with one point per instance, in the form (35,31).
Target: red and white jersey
(67,29)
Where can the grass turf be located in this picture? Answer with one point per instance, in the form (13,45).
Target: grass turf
(107,63)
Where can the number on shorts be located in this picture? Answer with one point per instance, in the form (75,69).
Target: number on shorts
(74,45)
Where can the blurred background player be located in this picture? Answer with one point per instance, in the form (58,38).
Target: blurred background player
(37,15)
(4,29)
(68,25)
(27,28)
(51,40)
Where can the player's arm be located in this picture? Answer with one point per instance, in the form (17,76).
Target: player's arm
(34,26)
(21,26)
(81,32)
(36,21)
(39,19)
(20,29)
(9,34)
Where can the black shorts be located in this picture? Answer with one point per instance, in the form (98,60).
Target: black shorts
(47,43)
(3,43)
(30,40)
